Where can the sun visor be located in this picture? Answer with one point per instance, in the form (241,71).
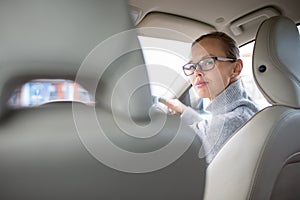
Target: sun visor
(188,29)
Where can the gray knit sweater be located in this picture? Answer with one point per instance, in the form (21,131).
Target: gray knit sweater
(227,112)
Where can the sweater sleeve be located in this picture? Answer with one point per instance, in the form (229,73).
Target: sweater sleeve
(196,121)
(190,116)
(214,131)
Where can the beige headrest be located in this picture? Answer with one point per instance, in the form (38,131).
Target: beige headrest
(276,61)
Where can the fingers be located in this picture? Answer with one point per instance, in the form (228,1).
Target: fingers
(170,107)
(175,105)
(173,112)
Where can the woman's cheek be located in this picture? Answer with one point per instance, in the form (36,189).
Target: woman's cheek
(192,79)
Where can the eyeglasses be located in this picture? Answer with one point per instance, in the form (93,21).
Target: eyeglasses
(204,64)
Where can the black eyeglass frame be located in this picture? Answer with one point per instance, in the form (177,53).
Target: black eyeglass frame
(215,58)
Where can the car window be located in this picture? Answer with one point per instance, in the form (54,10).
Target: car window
(164,60)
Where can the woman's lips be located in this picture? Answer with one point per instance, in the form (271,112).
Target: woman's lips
(200,84)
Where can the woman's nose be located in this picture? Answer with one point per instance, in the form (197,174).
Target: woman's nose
(198,72)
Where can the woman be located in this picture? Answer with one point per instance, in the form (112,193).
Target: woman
(214,73)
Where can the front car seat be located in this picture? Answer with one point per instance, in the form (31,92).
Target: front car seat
(262,160)
(57,151)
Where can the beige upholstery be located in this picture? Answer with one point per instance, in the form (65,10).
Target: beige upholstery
(261,161)
(59,151)
(277,48)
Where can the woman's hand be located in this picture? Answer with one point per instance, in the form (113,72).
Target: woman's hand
(175,106)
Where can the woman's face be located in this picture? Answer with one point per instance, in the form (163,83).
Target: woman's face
(208,84)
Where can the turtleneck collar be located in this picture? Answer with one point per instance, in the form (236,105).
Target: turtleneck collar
(228,99)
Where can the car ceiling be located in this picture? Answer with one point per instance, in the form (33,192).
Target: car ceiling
(218,14)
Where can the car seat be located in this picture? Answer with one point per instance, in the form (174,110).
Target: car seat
(121,148)
(261,161)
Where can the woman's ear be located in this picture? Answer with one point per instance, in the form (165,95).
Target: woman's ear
(236,70)
(237,67)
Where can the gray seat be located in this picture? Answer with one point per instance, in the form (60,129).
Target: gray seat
(115,150)
(261,161)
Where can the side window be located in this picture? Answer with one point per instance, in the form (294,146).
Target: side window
(41,91)
(164,59)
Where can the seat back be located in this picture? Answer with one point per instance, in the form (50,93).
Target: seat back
(121,148)
(261,161)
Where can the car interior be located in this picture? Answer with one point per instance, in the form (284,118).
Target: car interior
(82,85)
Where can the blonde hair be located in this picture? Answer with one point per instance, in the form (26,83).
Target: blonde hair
(229,45)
